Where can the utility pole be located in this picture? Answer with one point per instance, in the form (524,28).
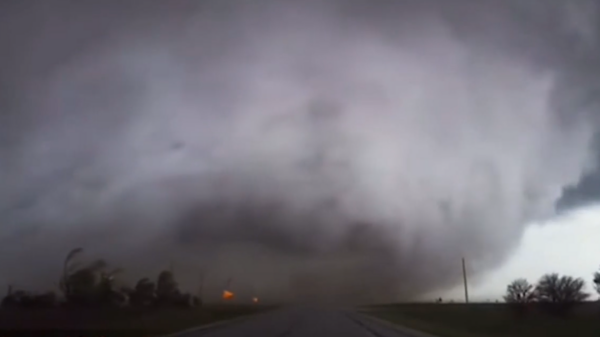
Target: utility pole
(464,269)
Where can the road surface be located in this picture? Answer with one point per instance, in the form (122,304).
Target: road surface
(301,322)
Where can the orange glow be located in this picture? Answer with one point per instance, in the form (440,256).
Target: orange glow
(227,295)
(255,300)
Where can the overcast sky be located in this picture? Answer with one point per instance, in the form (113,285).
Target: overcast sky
(344,151)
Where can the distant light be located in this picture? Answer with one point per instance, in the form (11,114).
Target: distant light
(227,295)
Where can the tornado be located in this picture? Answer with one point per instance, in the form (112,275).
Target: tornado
(334,151)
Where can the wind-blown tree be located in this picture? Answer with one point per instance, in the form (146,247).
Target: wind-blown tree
(560,293)
(168,293)
(24,299)
(92,284)
(16,299)
(107,293)
(67,270)
(84,284)
(597,281)
(144,293)
(519,291)
(167,290)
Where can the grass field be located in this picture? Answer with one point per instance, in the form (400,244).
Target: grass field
(132,322)
(488,319)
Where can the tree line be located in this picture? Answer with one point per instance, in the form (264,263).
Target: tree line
(555,293)
(92,285)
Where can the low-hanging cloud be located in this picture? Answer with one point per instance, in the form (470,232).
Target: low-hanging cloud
(343,150)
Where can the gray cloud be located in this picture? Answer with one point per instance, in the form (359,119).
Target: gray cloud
(339,151)
(584,192)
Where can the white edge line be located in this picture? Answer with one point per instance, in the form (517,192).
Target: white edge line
(207,326)
(400,328)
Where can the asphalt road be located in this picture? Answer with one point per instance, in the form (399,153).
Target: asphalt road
(301,322)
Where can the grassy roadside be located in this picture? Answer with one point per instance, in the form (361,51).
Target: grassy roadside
(421,325)
(490,320)
(146,322)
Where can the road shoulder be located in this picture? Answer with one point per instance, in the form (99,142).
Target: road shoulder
(210,326)
(399,328)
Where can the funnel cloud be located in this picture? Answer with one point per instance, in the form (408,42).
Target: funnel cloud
(341,151)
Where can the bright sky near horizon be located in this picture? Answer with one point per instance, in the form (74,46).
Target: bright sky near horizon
(568,245)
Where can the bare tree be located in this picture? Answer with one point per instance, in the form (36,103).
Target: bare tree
(560,293)
(519,291)
(518,294)
(597,281)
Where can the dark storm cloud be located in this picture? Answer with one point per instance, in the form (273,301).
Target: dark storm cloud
(587,190)
(339,150)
